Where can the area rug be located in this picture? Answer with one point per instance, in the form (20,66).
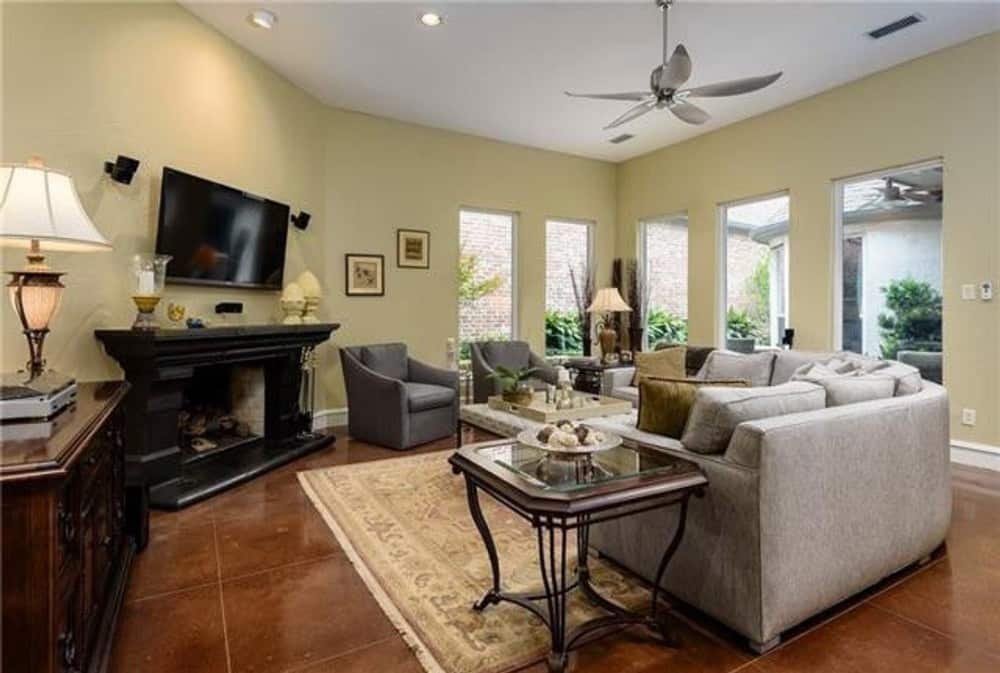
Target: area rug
(405,525)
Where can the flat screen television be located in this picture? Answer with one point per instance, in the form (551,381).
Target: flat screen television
(219,235)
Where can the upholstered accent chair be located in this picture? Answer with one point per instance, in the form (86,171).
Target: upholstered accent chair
(396,401)
(486,355)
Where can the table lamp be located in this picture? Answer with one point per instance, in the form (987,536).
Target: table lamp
(606,302)
(39,205)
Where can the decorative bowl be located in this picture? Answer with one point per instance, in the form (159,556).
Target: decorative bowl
(529,438)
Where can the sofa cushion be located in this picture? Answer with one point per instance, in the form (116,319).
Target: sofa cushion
(667,363)
(717,411)
(664,404)
(510,354)
(387,359)
(841,390)
(726,365)
(907,378)
(787,363)
(814,372)
(424,396)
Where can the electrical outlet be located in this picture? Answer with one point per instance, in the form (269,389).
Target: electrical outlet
(968,292)
(986,290)
(968,416)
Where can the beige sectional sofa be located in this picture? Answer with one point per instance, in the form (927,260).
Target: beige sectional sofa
(803,510)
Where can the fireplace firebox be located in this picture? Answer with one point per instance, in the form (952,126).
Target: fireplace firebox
(211,408)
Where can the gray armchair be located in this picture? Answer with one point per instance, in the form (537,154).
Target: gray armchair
(486,355)
(396,401)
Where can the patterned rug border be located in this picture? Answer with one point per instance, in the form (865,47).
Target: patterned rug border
(385,602)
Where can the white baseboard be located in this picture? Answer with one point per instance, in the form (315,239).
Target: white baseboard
(330,418)
(975,454)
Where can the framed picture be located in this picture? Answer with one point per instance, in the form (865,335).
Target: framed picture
(365,275)
(413,249)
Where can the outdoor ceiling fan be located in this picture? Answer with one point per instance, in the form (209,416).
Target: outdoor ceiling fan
(898,191)
(665,82)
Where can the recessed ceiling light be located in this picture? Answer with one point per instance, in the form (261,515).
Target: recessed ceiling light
(262,18)
(430,19)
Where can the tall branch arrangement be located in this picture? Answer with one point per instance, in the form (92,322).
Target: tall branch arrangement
(637,295)
(582,279)
(617,322)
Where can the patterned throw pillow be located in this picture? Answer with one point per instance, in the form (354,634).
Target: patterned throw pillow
(667,363)
(665,403)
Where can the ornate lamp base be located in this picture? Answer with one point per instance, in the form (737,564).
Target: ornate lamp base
(145,319)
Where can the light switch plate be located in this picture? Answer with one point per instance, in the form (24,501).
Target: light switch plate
(968,416)
(968,292)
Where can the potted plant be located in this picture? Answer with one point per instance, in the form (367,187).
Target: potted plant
(513,388)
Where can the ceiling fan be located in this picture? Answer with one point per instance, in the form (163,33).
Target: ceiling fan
(665,82)
(898,191)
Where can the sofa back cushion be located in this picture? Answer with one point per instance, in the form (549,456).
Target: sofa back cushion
(841,390)
(665,403)
(787,363)
(694,358)
(666,363)
(510,354)
(387,359)
(717,411)
(754,368)
(907,378)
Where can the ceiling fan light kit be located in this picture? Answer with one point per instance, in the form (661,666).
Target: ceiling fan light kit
(666,80)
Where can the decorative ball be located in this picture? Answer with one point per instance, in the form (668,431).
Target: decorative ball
(293,292)
(309,283)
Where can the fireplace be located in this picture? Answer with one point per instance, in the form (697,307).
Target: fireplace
(212,408)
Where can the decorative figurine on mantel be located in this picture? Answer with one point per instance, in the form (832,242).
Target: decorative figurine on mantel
(148,272)
(312,294)
(293,303)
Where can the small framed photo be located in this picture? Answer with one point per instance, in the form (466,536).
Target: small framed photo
(413,249)
(365,275)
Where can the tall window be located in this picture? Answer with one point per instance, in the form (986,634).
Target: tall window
(889,286)
(486,276)
(568,247)
(663,260)
(756,272)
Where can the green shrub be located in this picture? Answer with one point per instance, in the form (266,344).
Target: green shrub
(563,333)
(663,325)
(913,320)
(741,324)
(465,352)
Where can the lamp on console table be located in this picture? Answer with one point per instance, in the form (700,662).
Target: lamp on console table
(607,301)
(40,205)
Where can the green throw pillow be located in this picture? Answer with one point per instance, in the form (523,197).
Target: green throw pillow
(664,404)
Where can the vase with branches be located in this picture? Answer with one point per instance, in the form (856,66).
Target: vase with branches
(638,299)
(582,279)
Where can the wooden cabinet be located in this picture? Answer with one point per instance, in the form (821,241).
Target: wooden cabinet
(66,550)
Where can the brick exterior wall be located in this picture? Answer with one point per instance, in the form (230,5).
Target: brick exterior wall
(667,267)
(565,248)
(743,255)
(490,238)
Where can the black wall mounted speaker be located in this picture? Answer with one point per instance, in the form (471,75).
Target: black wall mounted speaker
(301,221)
(122,169)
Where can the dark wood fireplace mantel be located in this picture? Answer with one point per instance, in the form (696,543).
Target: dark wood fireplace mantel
(159,364)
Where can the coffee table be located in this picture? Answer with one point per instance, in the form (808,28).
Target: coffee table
(561,495)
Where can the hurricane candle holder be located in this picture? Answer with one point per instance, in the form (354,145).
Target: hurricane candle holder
(148,273)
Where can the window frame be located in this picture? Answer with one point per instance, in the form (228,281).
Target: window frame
(642,249)
(515,285)
(722,261)
(837,232)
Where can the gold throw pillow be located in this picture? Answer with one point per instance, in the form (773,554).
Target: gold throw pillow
(665,403)
(668,363)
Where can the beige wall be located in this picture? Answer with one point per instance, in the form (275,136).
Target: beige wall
(944,105)
(84,82)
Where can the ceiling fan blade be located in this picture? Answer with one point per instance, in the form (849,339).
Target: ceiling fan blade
(732,87)
(677,70)
(633,112)
(688,112)
(629,95)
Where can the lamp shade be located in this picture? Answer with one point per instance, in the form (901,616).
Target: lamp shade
(38,203)
(608,300)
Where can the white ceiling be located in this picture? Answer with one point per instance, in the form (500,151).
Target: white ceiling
(498,69)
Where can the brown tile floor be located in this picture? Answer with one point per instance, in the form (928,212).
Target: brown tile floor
(252,581)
